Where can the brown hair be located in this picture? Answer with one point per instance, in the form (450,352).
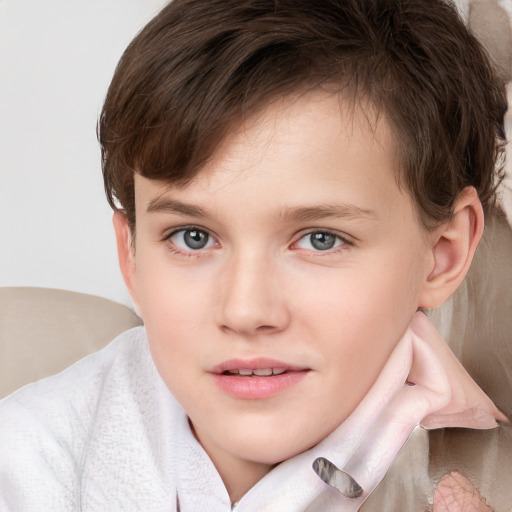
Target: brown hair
(200,66)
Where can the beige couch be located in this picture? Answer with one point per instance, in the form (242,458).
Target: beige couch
(42,331)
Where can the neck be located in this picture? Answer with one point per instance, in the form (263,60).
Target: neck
(238,475)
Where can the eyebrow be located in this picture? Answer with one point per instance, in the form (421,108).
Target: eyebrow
(167,205)
(300,213)
(312,213)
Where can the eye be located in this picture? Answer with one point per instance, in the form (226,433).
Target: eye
(320,241)
(191,239)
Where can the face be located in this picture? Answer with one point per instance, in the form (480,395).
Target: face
(275,285)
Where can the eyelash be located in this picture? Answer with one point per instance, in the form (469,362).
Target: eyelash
(343,242)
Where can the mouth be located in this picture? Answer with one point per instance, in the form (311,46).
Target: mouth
(257,379)
(263,372)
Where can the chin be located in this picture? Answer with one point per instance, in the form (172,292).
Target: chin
(271,451)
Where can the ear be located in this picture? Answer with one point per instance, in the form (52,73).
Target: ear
(126,253)
(453,246)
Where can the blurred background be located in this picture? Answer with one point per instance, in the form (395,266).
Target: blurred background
(56,60)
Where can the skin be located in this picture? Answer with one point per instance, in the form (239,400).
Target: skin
(260,288)
(455,493)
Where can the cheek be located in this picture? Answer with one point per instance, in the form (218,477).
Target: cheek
(169,293)
(357,298)
(357,315)
(173,303)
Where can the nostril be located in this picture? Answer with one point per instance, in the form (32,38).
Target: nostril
(266,328)
(248,330)
(250,301)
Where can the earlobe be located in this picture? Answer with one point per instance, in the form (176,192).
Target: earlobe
(453,247)
(126,252)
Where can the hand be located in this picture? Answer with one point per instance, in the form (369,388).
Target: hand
(455,493)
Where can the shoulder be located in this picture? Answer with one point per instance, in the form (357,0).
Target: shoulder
(54,429)
(70,393)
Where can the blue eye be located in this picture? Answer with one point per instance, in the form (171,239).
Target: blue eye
(320,241)
(191,239)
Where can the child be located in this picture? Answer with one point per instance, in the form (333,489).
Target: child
(291,182)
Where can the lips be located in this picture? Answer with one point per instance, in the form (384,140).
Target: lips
(257,379)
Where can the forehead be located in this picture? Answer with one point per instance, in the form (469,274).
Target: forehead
(314,148)
(308,122)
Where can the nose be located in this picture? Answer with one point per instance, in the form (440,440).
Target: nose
(252,299)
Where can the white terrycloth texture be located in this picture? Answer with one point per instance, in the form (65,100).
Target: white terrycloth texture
(95,437)
(106,435)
